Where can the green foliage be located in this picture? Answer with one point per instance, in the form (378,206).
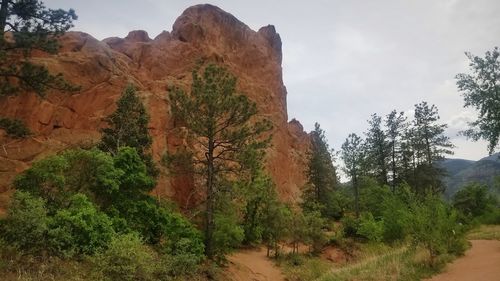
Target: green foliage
(435,226)
(58,177)
(480,91)
(395,123)
(371,196)
(350,226)
(276,219)
(353,156)
(218,120)
(370,228)
(80,229)
(322,176)
(474,200)
(106,180)
(14,128)
(314,233)
(430,144)
(135,182)
(228,233)
(126,258)
(27,223)
(128,126)
(257,194)
(34,27)
(377,150)
(396,217)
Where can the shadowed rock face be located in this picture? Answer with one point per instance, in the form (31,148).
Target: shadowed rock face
(103,68)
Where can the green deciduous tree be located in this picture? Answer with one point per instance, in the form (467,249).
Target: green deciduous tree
(128,126)
(481,91)
(27,25)
(434,225)
(80,229)
(219,121)
(26,224)
(474,200)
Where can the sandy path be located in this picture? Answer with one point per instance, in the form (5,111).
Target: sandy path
(480,263)
(253,265)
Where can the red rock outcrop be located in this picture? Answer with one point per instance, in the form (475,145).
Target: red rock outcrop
(103,68)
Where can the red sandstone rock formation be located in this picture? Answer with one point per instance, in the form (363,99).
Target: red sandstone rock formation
(103,68)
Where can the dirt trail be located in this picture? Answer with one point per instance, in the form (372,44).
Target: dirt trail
(253,265)
(480,263)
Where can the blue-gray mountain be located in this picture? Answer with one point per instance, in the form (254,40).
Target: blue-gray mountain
(461,172)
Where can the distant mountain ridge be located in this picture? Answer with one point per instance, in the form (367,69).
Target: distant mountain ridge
(461,172)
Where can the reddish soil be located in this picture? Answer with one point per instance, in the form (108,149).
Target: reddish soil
(480,263)
(253,265)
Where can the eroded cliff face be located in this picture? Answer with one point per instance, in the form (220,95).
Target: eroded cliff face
(103,68)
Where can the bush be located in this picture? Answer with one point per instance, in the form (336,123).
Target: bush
(350,226)
(228,233)
(126,258)
(474,201)
(396,218)
(14,127)
(80,229)
(26,225)
(370,228)
(435,226)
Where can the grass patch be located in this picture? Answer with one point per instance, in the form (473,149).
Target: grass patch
(298,267)
(373,262)
(485,232)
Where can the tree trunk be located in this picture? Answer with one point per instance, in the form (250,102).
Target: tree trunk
(3,17)
(393,166)
(209,216)
(356,194)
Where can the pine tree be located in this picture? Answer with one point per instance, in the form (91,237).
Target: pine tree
(219,122)
(430,146)
(322,176)
(395,126)
(27,25)
(128,126)
(353,156)
(378,150)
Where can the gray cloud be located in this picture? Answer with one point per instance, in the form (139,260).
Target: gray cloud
(344,60)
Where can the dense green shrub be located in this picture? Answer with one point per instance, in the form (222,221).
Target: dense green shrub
(474,200)
(314,233)
(396,218)
(80,229)
(371,196)
(26,224)
(126,258)
(14,127)
(228,233)
(435,226)
(58,177)
(370,228)
(350,226)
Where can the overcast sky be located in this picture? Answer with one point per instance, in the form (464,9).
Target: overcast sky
(343,60)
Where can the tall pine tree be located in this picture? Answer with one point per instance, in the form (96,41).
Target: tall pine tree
(377,149)
(128,126)
(218,120)
(430,145)
(27,25)
(395,126)
(353,156)
(322,176)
